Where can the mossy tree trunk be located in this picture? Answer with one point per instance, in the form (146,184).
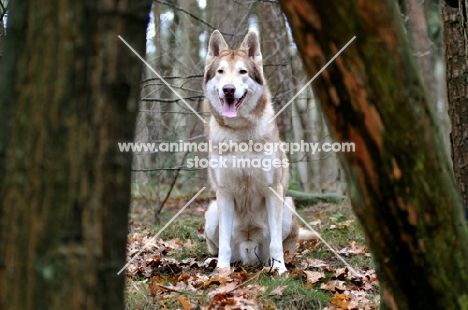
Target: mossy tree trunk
(400,179)
(68,95)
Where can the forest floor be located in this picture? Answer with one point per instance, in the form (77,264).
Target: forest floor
(171,273)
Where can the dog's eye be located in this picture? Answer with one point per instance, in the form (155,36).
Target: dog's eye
(242,71)
(220,71)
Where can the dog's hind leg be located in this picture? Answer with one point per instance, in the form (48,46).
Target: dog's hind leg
(292,233)
(290,226)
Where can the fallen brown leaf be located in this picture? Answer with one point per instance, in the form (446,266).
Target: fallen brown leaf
(185,303)
(223,289)
(239,274)
(341,274)
(353,248)
(155,288)
(334,285)
(278,291)
(289,257)
(340,301)
(314,263)
(216,281)
(313,276)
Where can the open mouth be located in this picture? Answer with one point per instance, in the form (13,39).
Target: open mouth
(231,104)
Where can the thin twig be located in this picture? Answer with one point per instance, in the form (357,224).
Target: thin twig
(174,180)
(173,77)
(170,141)
(167,169)
(173,112)
(171,100)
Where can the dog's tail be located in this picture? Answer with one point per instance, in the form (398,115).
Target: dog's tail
(305,234)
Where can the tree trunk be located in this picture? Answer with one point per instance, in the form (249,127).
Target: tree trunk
(424,26)
(401,184)
(302,199)
(192,64)
(2,35)
(276,62)
(457,91)
(423,48)
(69,86)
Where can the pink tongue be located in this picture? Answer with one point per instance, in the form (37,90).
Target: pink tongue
(229,110)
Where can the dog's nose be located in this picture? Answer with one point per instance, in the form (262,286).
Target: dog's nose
(229,90)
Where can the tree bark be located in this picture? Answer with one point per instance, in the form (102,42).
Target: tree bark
(401,185)
(457,91)
(69,87)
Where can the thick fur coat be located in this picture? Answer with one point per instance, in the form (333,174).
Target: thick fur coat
(247,222)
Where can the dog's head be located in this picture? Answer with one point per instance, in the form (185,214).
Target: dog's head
(234,80)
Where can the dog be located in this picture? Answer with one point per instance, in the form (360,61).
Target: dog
(247,222)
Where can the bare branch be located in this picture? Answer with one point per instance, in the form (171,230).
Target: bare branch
(173,112)
(173,77)
(194,17)
(167,169)
(193,98)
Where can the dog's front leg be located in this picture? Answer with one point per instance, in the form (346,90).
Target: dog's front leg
(274,207)
(226,216)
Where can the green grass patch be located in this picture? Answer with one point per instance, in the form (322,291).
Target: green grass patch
(188,232)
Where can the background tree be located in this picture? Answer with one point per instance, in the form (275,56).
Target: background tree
(277,58)
(3,116)
(67,96)
(402,187)
(303,120)
(3,12)
(424,27)
(456,45)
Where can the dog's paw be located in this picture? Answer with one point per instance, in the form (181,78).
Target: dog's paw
(223,262)
(278,266)
(276,271)
(281,270)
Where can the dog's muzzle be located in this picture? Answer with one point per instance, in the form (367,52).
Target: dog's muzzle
(230,103)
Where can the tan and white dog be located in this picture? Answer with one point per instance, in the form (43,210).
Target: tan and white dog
(247,222)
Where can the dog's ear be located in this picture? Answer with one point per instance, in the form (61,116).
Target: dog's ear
(251,46)
(216,45)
